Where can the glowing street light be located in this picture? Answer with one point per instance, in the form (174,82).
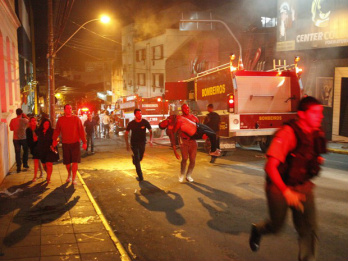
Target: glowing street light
(52,53)
(104,19)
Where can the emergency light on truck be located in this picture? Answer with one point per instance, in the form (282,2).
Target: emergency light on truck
(230,103)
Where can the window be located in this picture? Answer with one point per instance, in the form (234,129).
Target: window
(140,55)
(268,22)
(157,80)
(141,79)
(157,52)
(9,71)
(2,77)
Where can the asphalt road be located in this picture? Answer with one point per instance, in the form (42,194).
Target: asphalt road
(161,219)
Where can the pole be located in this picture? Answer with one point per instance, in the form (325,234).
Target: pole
(226,26)
(50,56)
(82,26)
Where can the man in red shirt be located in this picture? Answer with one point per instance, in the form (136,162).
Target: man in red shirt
(19,125)
(293,159)
(71,130)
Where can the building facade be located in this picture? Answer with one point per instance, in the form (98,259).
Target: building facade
(9,82)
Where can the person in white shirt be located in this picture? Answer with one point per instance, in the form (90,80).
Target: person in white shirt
(106,123)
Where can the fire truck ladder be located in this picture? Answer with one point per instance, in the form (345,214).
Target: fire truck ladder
(281,67)
(212,70)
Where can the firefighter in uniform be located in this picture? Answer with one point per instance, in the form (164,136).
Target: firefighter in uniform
(293,159)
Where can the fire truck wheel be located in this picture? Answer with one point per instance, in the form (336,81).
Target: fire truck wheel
(246,141)
(157,133)
(264,143)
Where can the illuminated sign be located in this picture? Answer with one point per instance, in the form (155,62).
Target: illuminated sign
(155,105)
(312,24)
(270,118)
(213,90)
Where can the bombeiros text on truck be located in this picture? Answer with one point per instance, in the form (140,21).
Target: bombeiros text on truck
(252,105)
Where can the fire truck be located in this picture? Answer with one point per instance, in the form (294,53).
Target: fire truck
(252,104)
(153,109)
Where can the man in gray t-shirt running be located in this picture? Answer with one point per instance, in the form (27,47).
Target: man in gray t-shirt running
(18,125)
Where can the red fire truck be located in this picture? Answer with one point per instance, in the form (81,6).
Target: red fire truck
(252,104)
(153,109)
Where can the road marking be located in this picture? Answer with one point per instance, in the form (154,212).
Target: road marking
(124,255)
(178,234)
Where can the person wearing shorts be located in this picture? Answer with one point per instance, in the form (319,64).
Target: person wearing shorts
(71,130)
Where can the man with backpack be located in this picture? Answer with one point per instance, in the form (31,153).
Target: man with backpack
(293,159)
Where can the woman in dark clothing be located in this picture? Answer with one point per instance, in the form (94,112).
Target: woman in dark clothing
(43,148)
(32,142)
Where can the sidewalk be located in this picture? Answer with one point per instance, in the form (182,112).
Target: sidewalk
(338,147)
(59,221)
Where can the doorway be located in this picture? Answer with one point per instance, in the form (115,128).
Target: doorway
(343,131)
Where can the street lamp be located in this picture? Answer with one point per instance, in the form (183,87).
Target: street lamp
(104,19)
(52,53)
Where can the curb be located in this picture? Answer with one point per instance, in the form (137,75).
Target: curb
(338,151)
(124,255)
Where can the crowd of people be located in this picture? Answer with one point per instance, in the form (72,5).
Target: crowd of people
(293,159)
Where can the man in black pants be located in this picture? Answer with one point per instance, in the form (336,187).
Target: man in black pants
(212,120)
(138,127)
(293,159)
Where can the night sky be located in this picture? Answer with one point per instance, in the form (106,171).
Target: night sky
(87,45)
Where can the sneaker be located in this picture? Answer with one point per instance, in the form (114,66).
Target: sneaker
(189,178)
(74,182)
(68,180)
(34,179)
(181,178)
(48,181)
(212,160)
(216,153)
(255,238)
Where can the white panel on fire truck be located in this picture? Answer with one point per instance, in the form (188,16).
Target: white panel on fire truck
(263,94)
(234,121)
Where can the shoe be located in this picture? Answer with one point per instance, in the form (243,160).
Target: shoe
(34,179)
(189,178)
(68,180)
(18,170)
(255,238)
(216,153)
(48,181)
(26,166)
(181,178)
(139,179)
(74,182)
(212,159)
(92,152)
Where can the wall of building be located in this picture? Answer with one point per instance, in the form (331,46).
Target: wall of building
(9,82)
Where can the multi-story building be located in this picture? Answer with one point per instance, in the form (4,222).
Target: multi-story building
(144,61)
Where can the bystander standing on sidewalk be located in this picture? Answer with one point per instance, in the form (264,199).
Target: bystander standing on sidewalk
(71,129)
(44,149)
(32,140)
(19,125)
(89,127)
